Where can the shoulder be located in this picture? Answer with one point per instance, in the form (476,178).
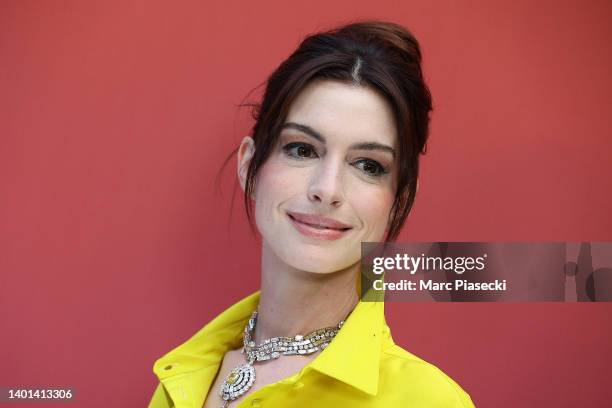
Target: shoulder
(414,380)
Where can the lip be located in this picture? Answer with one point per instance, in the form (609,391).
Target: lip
(319,227)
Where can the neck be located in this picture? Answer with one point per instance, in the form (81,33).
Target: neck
(294,302)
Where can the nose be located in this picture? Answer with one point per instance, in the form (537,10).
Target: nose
(326,185)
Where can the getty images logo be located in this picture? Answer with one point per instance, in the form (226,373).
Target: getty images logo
(412,264)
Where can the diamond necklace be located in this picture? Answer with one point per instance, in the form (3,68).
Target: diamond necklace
(241,378)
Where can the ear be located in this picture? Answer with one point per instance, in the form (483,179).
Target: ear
(417,186)
(245,154)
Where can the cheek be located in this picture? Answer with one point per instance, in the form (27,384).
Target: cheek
(274,186)
(374,211)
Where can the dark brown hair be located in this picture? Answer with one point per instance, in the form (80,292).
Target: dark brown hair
(382,55)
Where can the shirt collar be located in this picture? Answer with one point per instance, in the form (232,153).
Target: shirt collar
(363,334)
(353,357)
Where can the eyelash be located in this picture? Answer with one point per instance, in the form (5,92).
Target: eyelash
(288,148)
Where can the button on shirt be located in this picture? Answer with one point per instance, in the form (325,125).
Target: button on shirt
(361,367)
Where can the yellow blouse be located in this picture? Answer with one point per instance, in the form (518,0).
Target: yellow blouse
(361,367)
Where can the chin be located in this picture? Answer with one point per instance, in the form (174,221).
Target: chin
(320,263)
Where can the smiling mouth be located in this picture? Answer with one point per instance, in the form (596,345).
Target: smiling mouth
(319,227)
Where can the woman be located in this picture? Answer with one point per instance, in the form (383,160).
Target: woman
(332,162)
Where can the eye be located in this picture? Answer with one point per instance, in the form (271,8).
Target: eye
(371,168)
(299,150)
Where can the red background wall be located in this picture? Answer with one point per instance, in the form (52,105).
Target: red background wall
(116,116)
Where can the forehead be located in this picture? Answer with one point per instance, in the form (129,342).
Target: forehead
(341,111)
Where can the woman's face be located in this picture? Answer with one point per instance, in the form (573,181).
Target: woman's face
(329,182)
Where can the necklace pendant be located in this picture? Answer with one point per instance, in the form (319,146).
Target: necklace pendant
(237,382)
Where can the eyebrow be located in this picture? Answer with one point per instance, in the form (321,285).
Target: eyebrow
(358,146)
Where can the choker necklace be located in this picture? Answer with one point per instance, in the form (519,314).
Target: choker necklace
(241,378)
